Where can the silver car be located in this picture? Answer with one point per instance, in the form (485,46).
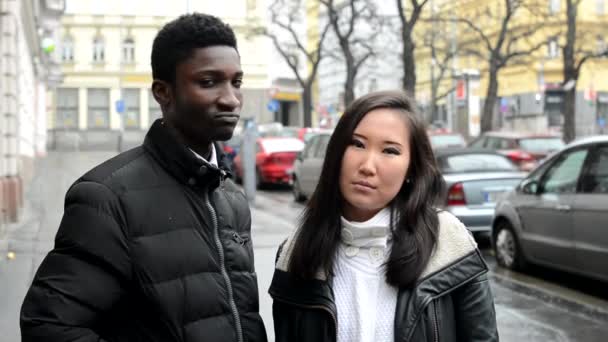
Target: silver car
(307,167)
(476,179)
(558,215)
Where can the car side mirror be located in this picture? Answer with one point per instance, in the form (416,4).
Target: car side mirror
(529,186)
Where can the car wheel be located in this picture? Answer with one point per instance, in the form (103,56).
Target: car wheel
(506,247)
(297,191)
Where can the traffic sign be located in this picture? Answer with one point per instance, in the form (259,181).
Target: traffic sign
(273,105)
(120,106)
(601,122)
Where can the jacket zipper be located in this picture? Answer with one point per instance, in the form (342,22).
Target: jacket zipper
(218,243)
(316,307)
(436,323)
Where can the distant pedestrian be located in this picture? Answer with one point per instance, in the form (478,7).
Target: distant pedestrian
(155,244)
(373,258)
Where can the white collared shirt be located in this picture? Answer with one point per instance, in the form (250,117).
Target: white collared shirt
(212,160)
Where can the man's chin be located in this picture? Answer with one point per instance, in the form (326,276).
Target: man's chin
(223,133)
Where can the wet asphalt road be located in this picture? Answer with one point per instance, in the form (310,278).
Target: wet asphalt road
(541,305)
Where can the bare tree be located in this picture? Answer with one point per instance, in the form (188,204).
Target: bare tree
(442,50)
(286,18)
(408,46)
(347,18)
(574,57)
(503,46)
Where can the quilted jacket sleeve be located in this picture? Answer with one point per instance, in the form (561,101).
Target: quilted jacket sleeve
(475,313)
(82,278)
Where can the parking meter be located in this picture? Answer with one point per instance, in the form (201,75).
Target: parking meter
(248,157)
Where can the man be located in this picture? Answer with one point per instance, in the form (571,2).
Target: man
(155,243)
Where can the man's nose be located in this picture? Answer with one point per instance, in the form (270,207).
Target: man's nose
(229,98)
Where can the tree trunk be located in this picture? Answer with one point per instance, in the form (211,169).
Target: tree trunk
(349,83)
(570,73)
(487,116)
(569,119)
(307,104)
(409,66)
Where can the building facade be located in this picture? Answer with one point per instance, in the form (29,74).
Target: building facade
(105,101)
(27,70)
(531,89)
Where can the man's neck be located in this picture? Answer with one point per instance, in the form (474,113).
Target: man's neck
(204,152)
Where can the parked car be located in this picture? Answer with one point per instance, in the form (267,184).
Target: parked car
(558,215)
(231,149)
(274,158)
(443,138)
(476,179)
(525,150)
(307,167)
(302,133)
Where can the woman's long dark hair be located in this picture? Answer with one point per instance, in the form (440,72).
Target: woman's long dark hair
(415,232)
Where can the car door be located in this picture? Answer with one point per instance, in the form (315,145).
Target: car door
(316,163)
(547,217)
(304,169)
(590,214)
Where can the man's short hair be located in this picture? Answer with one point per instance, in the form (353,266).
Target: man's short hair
(176,41)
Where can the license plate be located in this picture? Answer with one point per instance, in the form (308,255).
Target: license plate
(492,196)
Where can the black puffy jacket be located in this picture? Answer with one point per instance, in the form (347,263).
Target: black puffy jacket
(153,246)
(451,302)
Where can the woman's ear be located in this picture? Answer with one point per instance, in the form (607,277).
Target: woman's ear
(162,93)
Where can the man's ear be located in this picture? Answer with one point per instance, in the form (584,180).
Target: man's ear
(162,93)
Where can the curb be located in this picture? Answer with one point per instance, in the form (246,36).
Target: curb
(590,311)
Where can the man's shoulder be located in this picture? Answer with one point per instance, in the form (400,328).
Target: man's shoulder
(118,170)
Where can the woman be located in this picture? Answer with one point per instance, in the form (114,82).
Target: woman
(373,258)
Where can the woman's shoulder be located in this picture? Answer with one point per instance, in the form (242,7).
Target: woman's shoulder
(454,241)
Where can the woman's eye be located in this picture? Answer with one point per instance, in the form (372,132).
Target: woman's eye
(392,151)
(357,143)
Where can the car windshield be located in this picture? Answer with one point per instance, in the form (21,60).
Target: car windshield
(476,162)
(541,144)
(446,140)
(282,145)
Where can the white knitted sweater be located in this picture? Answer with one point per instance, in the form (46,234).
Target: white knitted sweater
(364,301)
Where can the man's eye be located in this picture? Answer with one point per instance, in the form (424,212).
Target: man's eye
(237,83)
(206,83)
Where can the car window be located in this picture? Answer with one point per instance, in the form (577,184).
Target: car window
(477,162)
(562,177)
(541,144)
(321,146)
(595,180)
(446,140)
(493,143)
(310,147)
(479,142)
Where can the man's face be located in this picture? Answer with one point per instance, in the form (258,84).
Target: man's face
(206,98)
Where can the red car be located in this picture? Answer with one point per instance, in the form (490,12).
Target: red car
(274,160)
(524,149)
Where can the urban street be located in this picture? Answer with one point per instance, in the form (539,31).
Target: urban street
(540,305)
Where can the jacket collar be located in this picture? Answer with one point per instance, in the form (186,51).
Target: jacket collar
(179,161)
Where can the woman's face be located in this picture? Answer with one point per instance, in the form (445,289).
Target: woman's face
(375,164)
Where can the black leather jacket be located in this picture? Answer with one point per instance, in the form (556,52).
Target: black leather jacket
(452,303)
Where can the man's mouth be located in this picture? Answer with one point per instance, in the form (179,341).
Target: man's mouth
(227,117)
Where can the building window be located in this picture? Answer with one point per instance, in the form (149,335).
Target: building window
(66,113)
(128,50)
(98,50)
(99,108)
(153,109)
(552,48)
(601,45)
(131,114)
(599,7)
(67,50)
(554,6)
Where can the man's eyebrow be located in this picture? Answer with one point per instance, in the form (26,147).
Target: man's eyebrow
(215,72)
